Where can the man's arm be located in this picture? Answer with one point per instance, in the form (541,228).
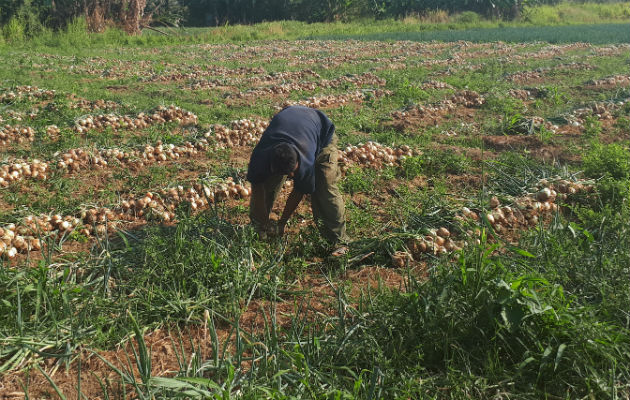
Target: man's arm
(258,206)
(292,202)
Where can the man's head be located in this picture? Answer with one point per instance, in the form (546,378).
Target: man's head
(284,160)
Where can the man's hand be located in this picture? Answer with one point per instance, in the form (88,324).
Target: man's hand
(280,227)
(292,202)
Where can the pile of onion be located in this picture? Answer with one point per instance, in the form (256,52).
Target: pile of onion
(19,170)
(12,243)
(30,92)
(527,210)
(93,105)
(467,98)
(16,134)
(53,131)
(159,116)
(242,132)
(438,241)
(435,85)
(615,80)
(332,100)
(374,155)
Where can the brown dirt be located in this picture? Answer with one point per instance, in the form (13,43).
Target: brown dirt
(414,123)
(532,144)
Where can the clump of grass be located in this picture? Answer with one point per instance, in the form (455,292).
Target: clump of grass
(607,160)
(435,163)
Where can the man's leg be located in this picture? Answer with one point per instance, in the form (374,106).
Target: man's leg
(272,187)
(327,202)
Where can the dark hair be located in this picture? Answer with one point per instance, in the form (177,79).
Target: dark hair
(284,158)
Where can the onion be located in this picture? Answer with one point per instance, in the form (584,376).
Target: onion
(443,232)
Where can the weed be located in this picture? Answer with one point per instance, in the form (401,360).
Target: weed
(358,180)
(592,127)
(435,163)
(611,160)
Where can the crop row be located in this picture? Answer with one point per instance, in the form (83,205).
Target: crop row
(160,205)
(329,101)
(160,115)
(16,134)
(524,212)
(367,79)
(30,93)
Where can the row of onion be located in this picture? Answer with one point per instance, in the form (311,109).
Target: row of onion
(465,98)
(29,92)
(159,116)
(332,100)
(524,212)
(366,79)
(159,205)
(16,134)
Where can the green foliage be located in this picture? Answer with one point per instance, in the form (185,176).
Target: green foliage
(14,30)
(595,34)
(612,160)
(592,127)
(504,105)
(435,163)
(389,20)
(412,167)
(358,180)
(467,17)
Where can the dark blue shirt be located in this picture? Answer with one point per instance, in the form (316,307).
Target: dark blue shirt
(308,129)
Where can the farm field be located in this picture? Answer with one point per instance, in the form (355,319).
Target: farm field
(487,194)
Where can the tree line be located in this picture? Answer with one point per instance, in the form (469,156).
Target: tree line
(133,15)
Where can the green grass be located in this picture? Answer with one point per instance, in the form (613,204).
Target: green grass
(594,34)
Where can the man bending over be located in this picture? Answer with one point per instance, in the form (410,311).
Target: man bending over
(300,143)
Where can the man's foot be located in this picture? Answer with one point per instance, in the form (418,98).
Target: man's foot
(339,251)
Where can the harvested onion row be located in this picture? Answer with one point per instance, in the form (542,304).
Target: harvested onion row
(615,80)
(159,116)
(256,79)
(242,132)
(29,92)
(13,115)
(337,100)
(159,205)
(526,212)
(366,79)
(374,155)
(76,160)
(466,98)
(196,73)
(19,170)
(601,110)
(16,134)
(92,105)
(435,85)
(538,73)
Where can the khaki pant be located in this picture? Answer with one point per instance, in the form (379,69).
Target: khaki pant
(326,202)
